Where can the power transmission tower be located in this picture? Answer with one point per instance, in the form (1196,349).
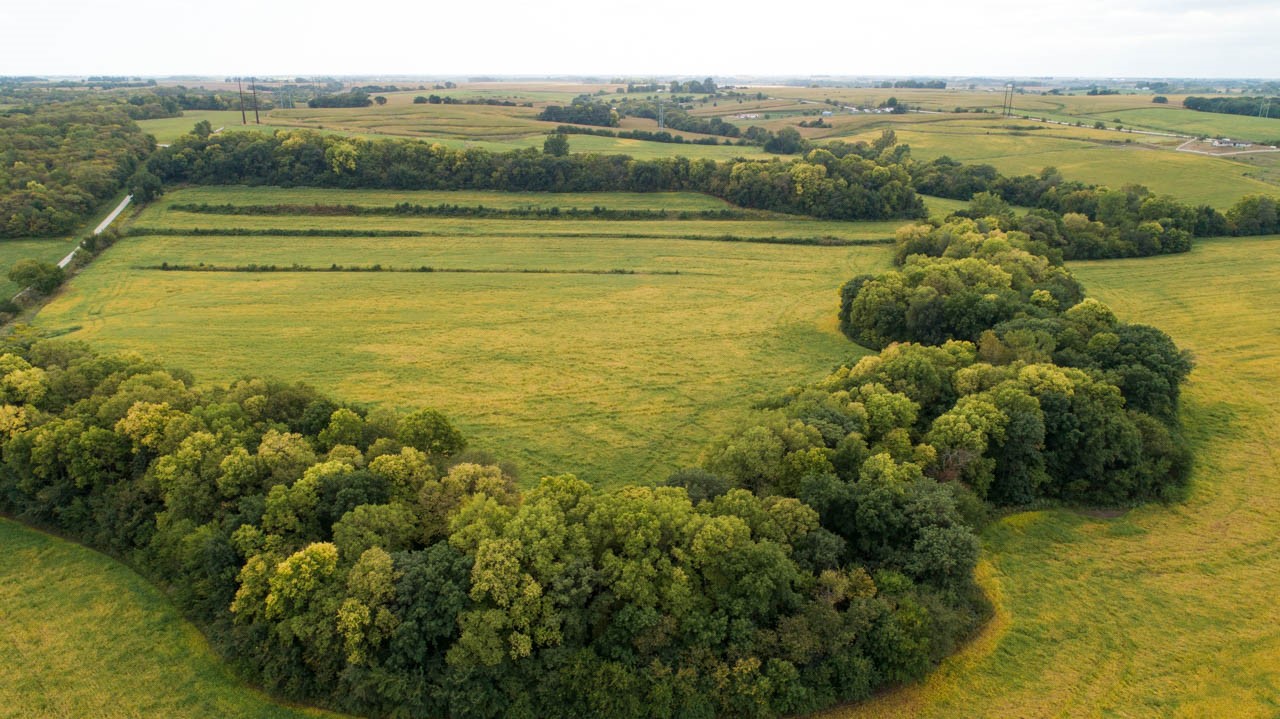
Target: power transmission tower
(253,88)
(240,86)
(1008,99)
(661,124)
(1264,110)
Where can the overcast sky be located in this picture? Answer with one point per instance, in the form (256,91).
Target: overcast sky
(1094,38)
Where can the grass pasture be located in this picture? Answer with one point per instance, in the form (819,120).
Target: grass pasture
(45,250)
(1165,611)
(94,639)
(616,377)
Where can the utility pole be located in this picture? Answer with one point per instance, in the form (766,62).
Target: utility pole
(1008,99)
(239,86)
(661,125)
(253,88)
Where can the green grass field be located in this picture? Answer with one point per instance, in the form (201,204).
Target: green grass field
(45,250)
(243,195)
(618,378)
(1166,611)
(82,635)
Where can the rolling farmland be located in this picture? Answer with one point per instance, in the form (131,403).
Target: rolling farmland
(636,371)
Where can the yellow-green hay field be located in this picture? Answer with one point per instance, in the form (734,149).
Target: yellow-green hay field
(1166,611)
(616,377)
(82,635)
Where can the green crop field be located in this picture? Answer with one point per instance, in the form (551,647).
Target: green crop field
(1165,611)
(82,635)
(635,372)
(1192,122)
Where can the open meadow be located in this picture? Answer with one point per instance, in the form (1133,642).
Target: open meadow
(547,350)
(1162,611)
(93,638)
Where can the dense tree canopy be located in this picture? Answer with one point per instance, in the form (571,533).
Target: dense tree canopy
(60,161)
(364,560)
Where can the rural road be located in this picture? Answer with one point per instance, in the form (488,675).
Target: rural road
(102,226)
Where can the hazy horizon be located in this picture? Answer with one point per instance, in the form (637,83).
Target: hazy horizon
(1137,39)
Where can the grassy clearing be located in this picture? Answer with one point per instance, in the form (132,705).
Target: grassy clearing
(168,129)
(82,635)
(46,250)
(162,215)
(1164,611)
(619,378)
(476,227)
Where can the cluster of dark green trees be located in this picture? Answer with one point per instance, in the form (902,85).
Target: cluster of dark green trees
(659,136)
(582,111)
(367,561)
(1234,105)
(60,161)
(1092,221)
(1044,393)
(355,98)
(822,185)
(172,101)
(675,117)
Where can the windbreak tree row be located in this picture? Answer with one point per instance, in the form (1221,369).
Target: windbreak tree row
(850,187)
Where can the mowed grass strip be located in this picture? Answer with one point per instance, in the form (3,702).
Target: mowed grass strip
(618,378)
(244,195)
(82,635)
(483,227)
(1166,611)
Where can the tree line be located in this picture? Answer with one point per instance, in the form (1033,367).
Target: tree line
(1092,221)
(824,185)
(659,136)
(1235,105)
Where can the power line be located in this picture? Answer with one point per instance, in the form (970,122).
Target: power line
(254,89)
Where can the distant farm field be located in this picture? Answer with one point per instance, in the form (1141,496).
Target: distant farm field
(1165,611)
(82,635)
(1193,178)
(548,351)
